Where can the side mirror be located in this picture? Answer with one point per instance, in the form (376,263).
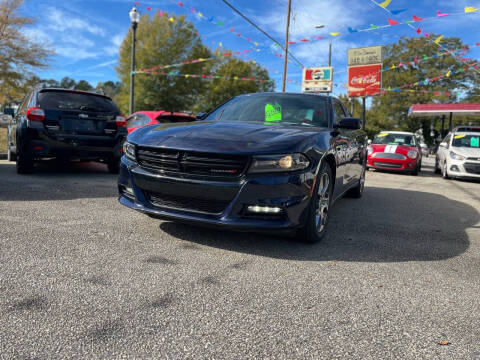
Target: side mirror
(369,141)
(349,123)
(200,116)
(444,144)
(9,111)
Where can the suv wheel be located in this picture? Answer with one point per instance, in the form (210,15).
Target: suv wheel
(113,166)
(24,163)
(317,218)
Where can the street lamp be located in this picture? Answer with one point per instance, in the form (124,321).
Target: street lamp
(134,20)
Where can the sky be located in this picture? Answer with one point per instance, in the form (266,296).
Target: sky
(86,34)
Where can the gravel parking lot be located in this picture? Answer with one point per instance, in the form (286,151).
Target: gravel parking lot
(83,277)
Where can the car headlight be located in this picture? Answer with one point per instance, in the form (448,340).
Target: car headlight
(456,156)
(278,163)
(129,150)
(412,154)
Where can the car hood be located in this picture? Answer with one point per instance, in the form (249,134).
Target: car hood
(399,149)
(467,152)
(221,137)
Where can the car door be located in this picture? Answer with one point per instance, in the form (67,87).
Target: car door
(16,121)
(340,145)
(357,150)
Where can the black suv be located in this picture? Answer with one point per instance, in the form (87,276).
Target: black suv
(67,125)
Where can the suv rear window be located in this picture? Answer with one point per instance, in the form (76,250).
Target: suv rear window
(65,100)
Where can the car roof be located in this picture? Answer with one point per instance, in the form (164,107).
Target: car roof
(287,93)
(466,129)
(155,114)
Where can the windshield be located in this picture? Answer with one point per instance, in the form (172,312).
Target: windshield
(274,109)
(75,101)
(464,140)
(394,139)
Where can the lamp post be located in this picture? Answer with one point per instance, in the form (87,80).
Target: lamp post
(134,20)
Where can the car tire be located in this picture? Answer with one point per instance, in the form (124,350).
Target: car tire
(416,170)
(445,171)
(24,163)
(113,166)
(437,168)
(318,209)
(11,156)
(357,191)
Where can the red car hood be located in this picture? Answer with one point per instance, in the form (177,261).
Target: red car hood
(399,149)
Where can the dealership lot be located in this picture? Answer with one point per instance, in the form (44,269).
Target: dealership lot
(82,276)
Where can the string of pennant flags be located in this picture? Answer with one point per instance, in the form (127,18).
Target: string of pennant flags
(203,76)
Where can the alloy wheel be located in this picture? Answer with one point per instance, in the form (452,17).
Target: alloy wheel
(323,202)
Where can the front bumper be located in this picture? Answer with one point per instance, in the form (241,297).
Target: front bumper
(218,203)
(406,165)
(464,168)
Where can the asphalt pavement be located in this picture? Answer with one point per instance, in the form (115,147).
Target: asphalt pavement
(83,277)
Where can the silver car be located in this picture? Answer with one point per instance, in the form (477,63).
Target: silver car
(458,155)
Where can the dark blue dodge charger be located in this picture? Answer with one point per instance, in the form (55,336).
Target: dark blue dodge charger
(270,162)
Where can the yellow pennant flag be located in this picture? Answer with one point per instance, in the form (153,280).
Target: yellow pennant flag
(448,73)
(235,77)
(385,3)
(335,34)
(186,76)
(256,43)
(470,9)
(171,19)
(200,14)
(437,40)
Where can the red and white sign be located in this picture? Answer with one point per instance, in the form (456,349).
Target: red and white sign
(364,80)
(317,80)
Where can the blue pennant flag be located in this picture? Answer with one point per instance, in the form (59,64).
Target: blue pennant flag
(396,12)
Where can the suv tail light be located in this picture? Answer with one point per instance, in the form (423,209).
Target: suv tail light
(35,114)
(121,121)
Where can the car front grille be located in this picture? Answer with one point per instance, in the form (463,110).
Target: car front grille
(472,168)
(473,159)
(188,162)
(384,155)
(388,165)
(177,202)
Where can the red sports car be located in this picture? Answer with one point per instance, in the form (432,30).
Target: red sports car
(395,150)
(143,118)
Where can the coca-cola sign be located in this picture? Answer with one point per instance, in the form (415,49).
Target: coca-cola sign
(364,80)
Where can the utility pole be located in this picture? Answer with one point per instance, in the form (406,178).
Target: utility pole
(134,19)
(286,46)
(330,54)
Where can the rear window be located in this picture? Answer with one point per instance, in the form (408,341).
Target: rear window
(394,139)
(75,101)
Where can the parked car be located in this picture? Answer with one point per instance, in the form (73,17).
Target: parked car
(395,151)
(260,162)
(458,155)
(425,149)
(68,125)
(143,118)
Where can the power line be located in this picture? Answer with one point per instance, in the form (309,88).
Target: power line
(261,30)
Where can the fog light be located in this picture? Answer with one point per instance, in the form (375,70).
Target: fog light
(129,191)
(264,209)
(454,168)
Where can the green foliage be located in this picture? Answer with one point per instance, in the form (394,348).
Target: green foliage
(162,42)
(110,88)
(220,90)
(18,53)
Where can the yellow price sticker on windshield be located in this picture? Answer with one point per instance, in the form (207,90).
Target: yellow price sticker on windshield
(459,136)
(382,135)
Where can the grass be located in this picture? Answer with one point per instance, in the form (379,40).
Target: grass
(3,140)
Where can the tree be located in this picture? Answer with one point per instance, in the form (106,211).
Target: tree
(18,53)
(164,40)
(221,89)
(161,41)
(110,88)
(391,109)
(67,83)
(83,85)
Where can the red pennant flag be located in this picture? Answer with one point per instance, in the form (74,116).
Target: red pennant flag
(149,8)
(180,4)
(232,29)
(439,14)
(239,34)
(304,40)
(419,31)
(393,22)
(415,18)
(292,42)
(193,10)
